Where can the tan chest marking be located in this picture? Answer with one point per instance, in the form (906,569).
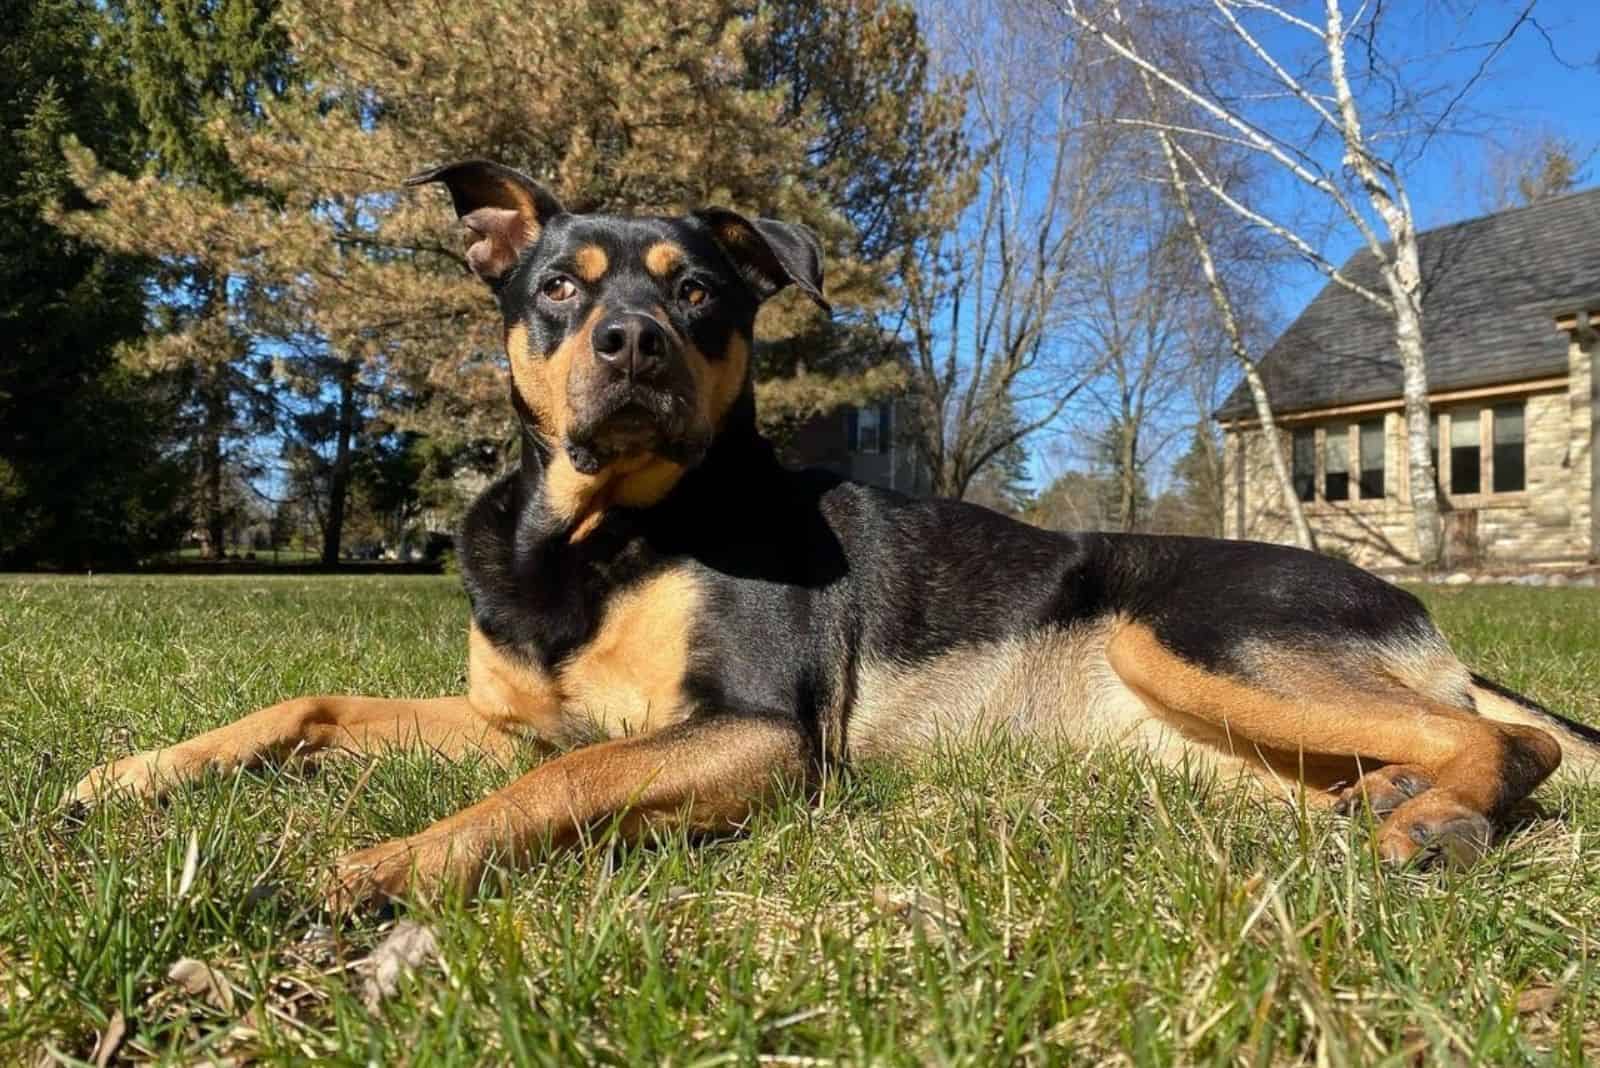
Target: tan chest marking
(629,679)
(511,694)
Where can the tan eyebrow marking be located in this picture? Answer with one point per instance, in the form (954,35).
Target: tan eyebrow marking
(661,258)
(591,262)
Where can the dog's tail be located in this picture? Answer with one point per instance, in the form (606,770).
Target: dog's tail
(1580,743)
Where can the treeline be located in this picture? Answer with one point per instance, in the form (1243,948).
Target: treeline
(1053,234)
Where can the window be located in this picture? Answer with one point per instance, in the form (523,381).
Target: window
(1305,464)
(867,429)
(1464,450)
(1372,459)
(1509,471)
(1336,464)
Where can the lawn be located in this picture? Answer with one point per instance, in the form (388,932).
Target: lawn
(1001,906)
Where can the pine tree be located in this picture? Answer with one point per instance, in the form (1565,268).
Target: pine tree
(83,481)
(188,63)
(819,113)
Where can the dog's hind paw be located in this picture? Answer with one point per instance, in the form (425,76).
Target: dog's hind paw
(1435,829)
(1385,789)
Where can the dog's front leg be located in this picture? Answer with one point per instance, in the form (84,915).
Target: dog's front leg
(707,774)
(303,726)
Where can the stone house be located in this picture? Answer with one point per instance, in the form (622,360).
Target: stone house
(1511,310)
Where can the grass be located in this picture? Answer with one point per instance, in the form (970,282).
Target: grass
(1007,905)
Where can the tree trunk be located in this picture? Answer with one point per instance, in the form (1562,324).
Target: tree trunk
(1127,489)
(1402,274)
(1303,535)
(1230,325)
(214,406)
(1280,466)
(1419,430)
(339,478)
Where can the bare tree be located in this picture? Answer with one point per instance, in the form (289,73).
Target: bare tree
(1530,166)
(1222,301)
(983,307)
(1300,99)
(1138,287)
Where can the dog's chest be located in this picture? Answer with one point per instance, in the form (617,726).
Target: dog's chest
(627,678)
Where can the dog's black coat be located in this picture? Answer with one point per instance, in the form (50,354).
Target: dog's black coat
(802,568)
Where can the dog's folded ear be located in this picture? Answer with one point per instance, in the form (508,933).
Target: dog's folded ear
(769,254)
(504,209)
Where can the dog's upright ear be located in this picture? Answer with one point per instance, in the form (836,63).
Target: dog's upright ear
(504,209)
(769,254)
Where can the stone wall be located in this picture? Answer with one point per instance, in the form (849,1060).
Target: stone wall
(1552,519)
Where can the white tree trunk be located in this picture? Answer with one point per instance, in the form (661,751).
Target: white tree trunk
(1230,325)
(1402,273)
(1419,432)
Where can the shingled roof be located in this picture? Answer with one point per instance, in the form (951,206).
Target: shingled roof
(1491,290)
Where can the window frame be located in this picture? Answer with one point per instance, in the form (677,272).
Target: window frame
(1461,452)
(869,418)
(1336,438)
(1306,436)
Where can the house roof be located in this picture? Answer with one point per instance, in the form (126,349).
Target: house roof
(1492,288)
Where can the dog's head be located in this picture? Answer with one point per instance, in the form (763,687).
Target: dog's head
(629,337)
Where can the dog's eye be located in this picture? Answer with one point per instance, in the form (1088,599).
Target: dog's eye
(559,288)
(694,293)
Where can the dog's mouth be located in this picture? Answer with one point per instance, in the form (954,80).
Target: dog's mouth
(630,420)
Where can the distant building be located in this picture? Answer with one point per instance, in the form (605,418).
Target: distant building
(866,444)
(1511,309)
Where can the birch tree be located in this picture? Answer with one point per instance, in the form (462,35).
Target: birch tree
(1217,289)
(1302,98)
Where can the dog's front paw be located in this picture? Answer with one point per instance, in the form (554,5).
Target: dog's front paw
(146,775)
(419,868)
(370,876)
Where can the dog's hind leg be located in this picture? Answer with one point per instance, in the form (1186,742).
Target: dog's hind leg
(1337,706)
(303,726)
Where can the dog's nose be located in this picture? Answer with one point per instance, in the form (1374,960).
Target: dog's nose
(633,345)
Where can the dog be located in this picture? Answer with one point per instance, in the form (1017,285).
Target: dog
(695,628)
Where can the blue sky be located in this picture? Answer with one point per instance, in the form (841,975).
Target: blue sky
(1524,88)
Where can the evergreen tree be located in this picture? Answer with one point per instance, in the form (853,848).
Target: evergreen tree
(188,64)
(83,481)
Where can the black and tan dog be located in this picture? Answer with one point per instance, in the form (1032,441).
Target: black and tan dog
(651,577)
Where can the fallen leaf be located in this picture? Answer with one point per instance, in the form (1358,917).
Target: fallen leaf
(408,946)
(106,1048)
(931,915)
(201,980)
(1538,999)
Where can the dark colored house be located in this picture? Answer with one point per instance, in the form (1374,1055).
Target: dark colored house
(865,444)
